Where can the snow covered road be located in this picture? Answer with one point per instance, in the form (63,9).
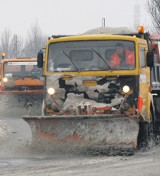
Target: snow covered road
(17,158)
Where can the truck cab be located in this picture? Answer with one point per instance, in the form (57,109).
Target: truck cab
(90,103)
(21,78)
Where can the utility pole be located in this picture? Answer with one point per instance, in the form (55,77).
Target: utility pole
(103,22)
(16,45)
(136,16)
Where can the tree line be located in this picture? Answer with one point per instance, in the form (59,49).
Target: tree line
(153,8)
(13,45)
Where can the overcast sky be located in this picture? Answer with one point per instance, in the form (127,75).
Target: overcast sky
(68,16)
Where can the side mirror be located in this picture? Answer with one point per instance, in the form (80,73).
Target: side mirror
(150,59)
(40,59)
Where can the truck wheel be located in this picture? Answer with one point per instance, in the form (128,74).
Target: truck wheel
(143,136)
(157,105)
(146,134)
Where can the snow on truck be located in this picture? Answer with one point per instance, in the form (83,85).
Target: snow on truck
(88,104)
(21,81)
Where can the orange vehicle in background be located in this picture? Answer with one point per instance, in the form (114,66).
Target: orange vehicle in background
(21,79)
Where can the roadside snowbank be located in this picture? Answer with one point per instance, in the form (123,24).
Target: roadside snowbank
(3,130)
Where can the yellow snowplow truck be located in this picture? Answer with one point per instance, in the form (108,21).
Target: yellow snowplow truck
(90,104)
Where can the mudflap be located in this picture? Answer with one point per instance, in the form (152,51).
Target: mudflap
(69,133)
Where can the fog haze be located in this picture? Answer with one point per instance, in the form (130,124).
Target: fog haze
(68,17)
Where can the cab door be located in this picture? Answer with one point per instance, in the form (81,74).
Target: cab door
(144,84)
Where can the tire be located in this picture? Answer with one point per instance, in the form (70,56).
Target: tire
(146,134)
(157,105)
(143,136)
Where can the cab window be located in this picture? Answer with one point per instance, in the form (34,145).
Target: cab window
(142,57)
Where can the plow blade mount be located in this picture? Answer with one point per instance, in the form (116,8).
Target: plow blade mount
(83,132)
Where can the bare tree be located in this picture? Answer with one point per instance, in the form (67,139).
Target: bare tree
(5,42)
(13,45)
(35,41)
(153,7)
(16,46)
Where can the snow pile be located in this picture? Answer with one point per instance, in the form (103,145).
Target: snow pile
(74,100)
(109,30)
(3,130)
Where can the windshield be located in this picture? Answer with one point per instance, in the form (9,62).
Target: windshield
(91,55)
(22,69)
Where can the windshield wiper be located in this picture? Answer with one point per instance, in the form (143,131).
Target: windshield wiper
(33,76)
(106,63)
(18,76)
(70,59)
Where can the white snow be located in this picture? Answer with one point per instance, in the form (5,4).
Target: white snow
(3,130)
(109,30)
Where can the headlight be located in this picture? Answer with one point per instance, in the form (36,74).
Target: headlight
(51,91)
(5,80)
(126,89)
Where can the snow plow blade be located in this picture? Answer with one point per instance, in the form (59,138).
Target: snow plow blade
(83,132)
